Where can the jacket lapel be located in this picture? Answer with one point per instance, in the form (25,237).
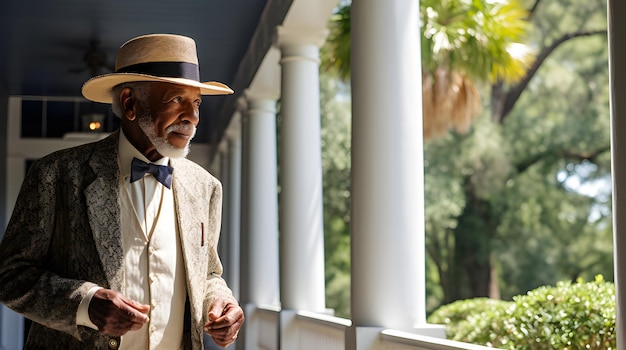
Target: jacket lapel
(191,214)
(103,209)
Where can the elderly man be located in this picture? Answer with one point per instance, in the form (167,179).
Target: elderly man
(113,244)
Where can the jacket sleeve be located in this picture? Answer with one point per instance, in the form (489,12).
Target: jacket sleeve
(31,281)
(216,288)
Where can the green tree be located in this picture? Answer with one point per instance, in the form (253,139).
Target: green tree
(502,215)
(336,137)
(560,122)
(462,42)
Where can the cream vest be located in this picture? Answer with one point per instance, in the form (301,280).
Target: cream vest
(154,269)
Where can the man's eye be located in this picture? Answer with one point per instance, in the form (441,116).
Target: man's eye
(197,103)
(177,99)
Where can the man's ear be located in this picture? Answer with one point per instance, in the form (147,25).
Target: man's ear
(127,103)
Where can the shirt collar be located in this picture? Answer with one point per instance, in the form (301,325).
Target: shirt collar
(126,153)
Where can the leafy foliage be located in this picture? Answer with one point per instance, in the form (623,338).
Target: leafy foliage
(479,38)
(463,42)
(516,202)
(566,316)
(335,53)
(336,127)
(531,200)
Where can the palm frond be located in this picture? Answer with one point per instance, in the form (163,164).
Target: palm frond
(463,42)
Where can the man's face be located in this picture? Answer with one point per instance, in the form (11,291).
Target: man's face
(169,117)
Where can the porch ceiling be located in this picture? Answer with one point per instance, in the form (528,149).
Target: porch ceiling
(44,42)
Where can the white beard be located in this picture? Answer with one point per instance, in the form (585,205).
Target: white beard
(160,143)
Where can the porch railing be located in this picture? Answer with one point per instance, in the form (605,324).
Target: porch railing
(273,329)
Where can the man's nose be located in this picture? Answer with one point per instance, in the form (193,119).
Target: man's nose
(191,113)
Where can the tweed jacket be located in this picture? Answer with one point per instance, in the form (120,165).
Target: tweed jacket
(64,238)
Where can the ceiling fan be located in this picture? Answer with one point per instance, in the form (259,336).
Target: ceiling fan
(95,60)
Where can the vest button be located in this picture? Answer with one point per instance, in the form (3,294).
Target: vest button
(113,344)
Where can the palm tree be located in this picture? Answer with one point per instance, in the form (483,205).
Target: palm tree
(469,43)
(463,41)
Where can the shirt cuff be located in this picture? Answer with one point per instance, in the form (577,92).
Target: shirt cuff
(82,314)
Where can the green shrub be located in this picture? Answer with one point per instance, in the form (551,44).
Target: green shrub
(458,311)
(566,316)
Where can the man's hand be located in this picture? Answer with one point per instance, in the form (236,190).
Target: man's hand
(225,319)
(115,315)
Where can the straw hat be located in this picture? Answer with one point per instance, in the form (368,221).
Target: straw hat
(156,57)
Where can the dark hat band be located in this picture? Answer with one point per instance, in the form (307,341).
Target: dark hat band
(165,69)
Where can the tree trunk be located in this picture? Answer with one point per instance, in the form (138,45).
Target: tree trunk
(471,273)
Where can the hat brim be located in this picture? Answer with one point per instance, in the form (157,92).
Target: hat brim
(98,89)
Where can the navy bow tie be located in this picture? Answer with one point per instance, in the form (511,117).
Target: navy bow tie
(162,173)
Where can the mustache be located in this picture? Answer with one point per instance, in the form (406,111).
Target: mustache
(181,127)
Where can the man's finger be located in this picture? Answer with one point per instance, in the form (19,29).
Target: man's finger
(226,326)
(217,310)
(138,316)
(143,308)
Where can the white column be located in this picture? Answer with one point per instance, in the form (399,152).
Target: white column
(244,272)
(11,329)
(301,215)
(262,201)
(226,236)
(617,71)
(387,225)
(248,335)
(233,203)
